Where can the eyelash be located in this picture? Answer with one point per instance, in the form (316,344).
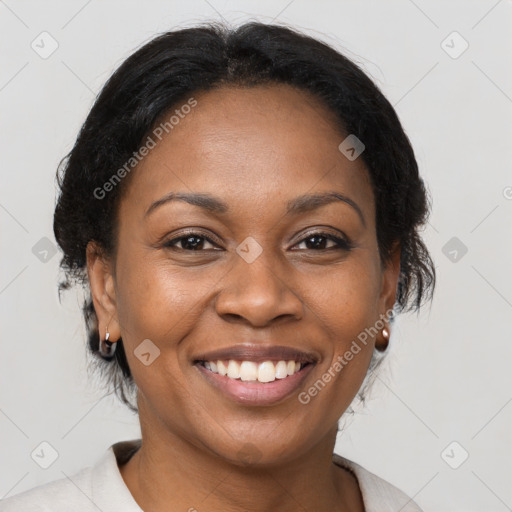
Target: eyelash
(341,244)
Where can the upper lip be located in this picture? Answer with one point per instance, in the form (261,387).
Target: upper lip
(258,353)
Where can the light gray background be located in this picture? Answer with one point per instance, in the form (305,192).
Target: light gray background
(448,374)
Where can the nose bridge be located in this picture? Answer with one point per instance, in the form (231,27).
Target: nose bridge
(261,274)
(257,288)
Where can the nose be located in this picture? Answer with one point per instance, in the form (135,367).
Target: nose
(258,293)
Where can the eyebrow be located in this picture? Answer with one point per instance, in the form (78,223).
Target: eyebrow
(300,204)
(204,201)
(310,202)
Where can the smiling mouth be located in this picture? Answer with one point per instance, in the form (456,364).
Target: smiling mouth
(256,374)
(250,371)
(251,383)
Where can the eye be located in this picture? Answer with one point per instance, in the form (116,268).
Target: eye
(314,241)
(190,242)
(320,241)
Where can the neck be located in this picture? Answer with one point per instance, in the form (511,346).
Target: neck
(169,472)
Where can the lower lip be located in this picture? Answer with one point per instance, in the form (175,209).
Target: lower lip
(254,392)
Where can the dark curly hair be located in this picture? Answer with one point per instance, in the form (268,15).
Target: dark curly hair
(176,64)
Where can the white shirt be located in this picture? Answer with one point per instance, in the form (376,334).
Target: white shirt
(101,488)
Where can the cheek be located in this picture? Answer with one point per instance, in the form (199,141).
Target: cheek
(345,300)
(156,301)
(346,304)
(160,304)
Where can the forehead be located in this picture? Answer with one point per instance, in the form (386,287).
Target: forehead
(255,147)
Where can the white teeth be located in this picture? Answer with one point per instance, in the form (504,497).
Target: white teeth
(221,368)
(281,370)
(266,371)
(248,370)
(233,370)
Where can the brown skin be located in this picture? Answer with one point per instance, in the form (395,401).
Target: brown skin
(255,149)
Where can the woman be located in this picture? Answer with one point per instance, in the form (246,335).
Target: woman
(243,206)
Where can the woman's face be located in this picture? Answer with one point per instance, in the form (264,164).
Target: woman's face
(257,268)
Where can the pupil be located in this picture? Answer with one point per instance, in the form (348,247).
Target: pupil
(318,244)
(190,240)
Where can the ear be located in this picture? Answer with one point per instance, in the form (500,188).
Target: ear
(390,275)
(101,281)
